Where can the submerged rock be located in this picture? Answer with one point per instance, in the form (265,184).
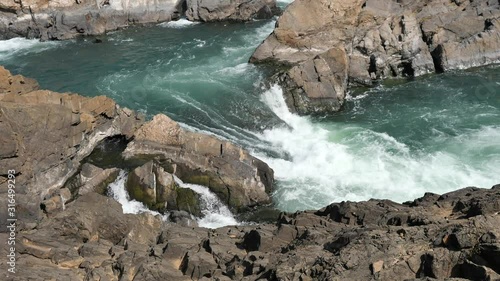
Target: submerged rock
(381,39)
(233,10)
(238,178)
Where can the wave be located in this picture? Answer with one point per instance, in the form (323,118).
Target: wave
(337,161)
(17,46)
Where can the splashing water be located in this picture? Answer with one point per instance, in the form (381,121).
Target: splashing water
(398,140)
(117,191)
(335,161)
(215,213)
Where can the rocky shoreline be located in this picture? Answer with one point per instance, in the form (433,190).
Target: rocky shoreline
(328,46)
(68,229)
(61,20)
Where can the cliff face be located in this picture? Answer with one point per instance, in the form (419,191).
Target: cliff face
(65,19)
(68,230)
(329,44)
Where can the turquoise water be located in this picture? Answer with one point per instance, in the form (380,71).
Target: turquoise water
(398,140)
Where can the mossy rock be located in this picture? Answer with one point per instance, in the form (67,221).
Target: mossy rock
(139,191)
(189,201)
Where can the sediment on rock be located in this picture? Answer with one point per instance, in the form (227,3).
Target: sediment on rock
(381,39)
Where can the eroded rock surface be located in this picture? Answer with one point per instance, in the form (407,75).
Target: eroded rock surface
(238,178)
(233,10)
(45,135)
(380,39)
(455,235)
(46,138)
(64,19)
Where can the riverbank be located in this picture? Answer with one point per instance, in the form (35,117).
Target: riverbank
(77,233)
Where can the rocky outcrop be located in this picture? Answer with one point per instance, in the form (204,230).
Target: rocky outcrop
(329,43)
(45,135)
(238,178)
(58,20)
(156,188)
(233,10)
(455,235)
(71,233)
(65,19)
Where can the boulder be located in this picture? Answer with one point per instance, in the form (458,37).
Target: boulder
(151,185)
(232,10)
(92,179)
(381,38)
(238,178)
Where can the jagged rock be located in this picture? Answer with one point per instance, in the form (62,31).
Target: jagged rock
(57,201)
(233,10)
(157,189)
(381,39)
(182,218)
(238,178)
(92,238)
(94,179)
(46,149)
(59,20)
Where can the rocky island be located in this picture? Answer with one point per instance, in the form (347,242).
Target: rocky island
(65,151)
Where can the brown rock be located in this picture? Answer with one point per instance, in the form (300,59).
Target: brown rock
(47,134)
(381,38)
(232,173)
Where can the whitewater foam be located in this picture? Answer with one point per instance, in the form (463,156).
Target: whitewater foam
(117,191)
(180,23)
(215,213)
(335,162)
(19,45)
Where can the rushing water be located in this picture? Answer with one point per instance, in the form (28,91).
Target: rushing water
(398,140)
(215,213)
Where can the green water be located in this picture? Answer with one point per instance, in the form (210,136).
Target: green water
(398,140)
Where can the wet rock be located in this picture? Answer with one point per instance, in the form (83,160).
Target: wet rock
(157,189)
(182,218)
(67,19)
